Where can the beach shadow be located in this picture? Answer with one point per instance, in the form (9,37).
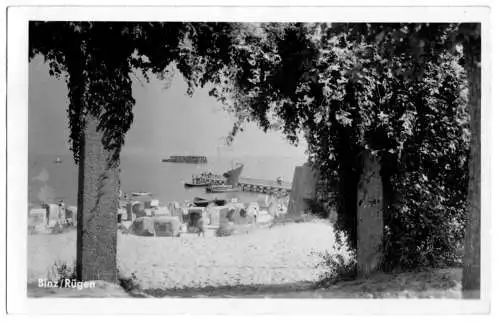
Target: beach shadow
(436,283)
(428,284)
(237,291)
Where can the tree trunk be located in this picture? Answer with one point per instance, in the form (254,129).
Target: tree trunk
(369,216)
(471,280)
(98,191)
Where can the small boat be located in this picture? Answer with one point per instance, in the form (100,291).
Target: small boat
(58,160)
(141,193)
(204,180)
(200,201)
(219,202)
(222,189)
(196,184)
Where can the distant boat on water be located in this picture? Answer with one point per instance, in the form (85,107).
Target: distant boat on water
(222,189)
(205,179)
(204,202)
(232,180)
(186,159)
(233,176)
(141,193)
(58,160)
(201,201)
(196,184)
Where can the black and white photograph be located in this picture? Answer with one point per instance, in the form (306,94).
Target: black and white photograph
(265,158)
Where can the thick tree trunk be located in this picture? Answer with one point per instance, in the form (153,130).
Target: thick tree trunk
(471,281)
(369,216)
(98,191)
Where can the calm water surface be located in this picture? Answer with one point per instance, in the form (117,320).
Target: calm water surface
(164,180)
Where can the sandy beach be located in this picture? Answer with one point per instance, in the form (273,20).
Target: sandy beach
(279,262)
(281,255)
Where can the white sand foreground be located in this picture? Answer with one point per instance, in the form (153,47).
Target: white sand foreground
(279,255)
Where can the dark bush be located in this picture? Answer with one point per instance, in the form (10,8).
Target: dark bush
(338,264)
(129,284)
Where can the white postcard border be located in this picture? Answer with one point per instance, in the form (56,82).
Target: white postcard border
(17,116)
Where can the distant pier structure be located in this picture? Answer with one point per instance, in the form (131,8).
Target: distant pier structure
(186,159)
(263,186)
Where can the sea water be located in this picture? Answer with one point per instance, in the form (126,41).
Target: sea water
(50,181)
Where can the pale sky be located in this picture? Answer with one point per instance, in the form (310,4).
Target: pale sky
(166,121)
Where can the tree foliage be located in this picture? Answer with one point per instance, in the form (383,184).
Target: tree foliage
(97,59)
(351,88)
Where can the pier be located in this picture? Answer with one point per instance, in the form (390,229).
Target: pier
(186,159)
(263,186)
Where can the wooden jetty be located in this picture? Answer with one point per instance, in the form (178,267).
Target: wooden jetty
(263,186)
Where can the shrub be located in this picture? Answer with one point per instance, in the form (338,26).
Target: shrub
(129,284)
(61,271)
(425,228)
(314,206)
(339,264)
